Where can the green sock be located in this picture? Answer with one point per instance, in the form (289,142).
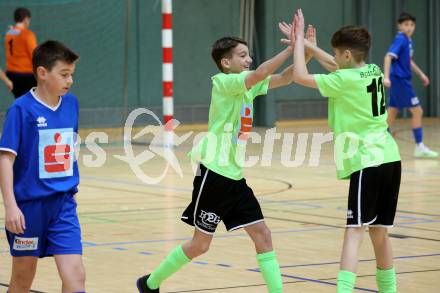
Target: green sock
(270,269)
(386,280)
(346,281)
(171,264)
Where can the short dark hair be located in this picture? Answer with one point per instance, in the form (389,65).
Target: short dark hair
(404,16)
(49,52)
(222,48)
(21,13)
(354,38)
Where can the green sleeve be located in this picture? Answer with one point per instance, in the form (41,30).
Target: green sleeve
(329,85)
(331,113)
(261,88)
(231,84)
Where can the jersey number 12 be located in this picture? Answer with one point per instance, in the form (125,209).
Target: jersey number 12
(373,88)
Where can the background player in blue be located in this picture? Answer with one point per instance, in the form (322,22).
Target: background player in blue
(39,174)
(398,79)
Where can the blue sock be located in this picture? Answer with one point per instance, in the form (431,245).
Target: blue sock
(418,134)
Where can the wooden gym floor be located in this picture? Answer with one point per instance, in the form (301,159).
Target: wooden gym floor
(129,226)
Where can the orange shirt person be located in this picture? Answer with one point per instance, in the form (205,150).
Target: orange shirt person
(20,42)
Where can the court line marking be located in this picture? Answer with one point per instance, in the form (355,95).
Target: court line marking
(327,227)
(319,281)
(361,260)
(418,213)
(92,244)
(403,224)
(409,141)
(32,291)
(324,282)
(287,184)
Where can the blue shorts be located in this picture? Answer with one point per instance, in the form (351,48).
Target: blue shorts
(52,228)
(402,94)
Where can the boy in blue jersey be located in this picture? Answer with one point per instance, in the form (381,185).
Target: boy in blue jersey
(398,67)
(39,174)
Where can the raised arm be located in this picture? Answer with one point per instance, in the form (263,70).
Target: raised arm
(416,69)
(325,59)
(312,50)
(286,29)
(286,76)
(282,79)
(267,68)
(300,73)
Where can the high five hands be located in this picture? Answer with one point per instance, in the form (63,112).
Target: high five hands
(288,29)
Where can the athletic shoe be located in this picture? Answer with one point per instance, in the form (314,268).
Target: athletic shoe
(142,285)
(425,152)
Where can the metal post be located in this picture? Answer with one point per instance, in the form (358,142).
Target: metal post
(167,71)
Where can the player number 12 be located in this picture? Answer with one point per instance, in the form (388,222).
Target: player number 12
(373,88)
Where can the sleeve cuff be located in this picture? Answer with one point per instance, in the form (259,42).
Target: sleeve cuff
(318,81)
(266,84)
(8,150)
(393,55)
(243,79)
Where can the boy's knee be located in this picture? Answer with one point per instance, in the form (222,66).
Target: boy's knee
(266,234)
(21,281)
(202,248)
(417,112)
(75,277)
(75,283)
(198,248)
(81,275)
(263,235)
(22,277)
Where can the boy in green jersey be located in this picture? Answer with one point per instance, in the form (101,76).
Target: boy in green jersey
(364,150)
(220,192)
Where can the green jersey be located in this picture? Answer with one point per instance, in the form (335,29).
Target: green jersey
(357,115)
(230,121)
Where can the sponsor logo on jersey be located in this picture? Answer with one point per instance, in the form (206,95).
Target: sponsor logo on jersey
(56,152)
(22,243)
(246,121)
(209,219)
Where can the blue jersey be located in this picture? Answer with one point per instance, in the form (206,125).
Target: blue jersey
(43,140)
(402,50)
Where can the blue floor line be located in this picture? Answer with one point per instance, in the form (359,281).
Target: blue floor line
(324,282)
(92,244)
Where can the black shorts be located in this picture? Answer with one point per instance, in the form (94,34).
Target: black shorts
(23,82)
(217,198)
(373,195)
